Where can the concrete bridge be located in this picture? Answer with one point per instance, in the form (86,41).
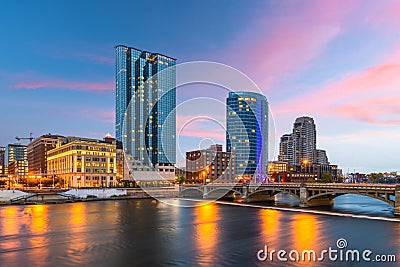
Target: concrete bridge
(310,194)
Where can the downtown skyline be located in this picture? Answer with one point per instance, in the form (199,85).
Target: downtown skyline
(336,62)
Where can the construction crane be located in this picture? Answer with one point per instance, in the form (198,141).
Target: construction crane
(30,138)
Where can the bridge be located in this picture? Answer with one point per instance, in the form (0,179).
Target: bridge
(310,194)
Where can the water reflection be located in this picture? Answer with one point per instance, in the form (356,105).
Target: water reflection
(38,227)
(206,231)
(142,233)
(77,225)
(270,225)
(9,226)
(304,231)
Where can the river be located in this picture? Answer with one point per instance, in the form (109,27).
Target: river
(147,232)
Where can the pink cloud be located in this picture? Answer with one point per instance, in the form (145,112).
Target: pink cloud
(386,14)
(100,115)
(199,126)
(289,42)
(359,135)
(96,58)
(370,96)
(204,133)
(67,85)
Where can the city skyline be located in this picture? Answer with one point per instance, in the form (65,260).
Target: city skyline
(336,62)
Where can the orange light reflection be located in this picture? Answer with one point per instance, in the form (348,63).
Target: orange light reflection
(206,232)
(38,227)
(270,225)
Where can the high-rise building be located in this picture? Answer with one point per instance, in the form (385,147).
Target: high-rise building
(145,106)
(17,160)
(305,140)
(247,133)
(83,162)
(286,149)
(299,146)
(320,157)
(2,161)
(208,165)
(37,153)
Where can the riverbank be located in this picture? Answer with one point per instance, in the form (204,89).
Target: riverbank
(29,197)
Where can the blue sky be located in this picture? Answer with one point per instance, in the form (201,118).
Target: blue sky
(337,61)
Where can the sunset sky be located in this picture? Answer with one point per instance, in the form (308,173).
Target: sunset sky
(336,61)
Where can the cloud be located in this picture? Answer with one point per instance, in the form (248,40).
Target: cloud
(95,58)
(288,42)
(359,136)
(96,114)
(201,127)
(65,85)
(384,15)
(370,96)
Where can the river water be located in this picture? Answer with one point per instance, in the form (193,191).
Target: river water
(151,233)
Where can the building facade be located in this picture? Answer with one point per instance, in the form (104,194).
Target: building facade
(305,139)
(17,160)
(2,161)
(210,165)
(286,149)
(145,107)
(83,162)
(300,146)
(37,153)
(247,134)
(320,157)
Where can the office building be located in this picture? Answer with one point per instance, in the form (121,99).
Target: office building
(37,153)
(17,160)
(83,162)
(277,171)
(247,134)
(210,165)
(300,146)
(2,161)
(145,107)
(286,149)
(305,139)
(320,157)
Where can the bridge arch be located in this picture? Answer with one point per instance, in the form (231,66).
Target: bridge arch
(334,195)
(190,191)
(273,193)
(227,190)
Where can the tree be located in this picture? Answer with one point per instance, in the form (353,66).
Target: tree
(181,180)
(340,178)
(327,177)
(310,180)
(375,176)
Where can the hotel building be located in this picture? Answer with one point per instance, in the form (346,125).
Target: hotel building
(37,153)
(2,161)
(247,134)
(83,162)
(17,160)
(210,165)
(145,108)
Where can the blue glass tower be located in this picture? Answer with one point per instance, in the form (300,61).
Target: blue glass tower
(247,133)
(145,105)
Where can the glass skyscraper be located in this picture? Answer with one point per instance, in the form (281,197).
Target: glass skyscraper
(247,133)
(145,105)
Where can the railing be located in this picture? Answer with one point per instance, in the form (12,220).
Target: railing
(384,187)
(25,197)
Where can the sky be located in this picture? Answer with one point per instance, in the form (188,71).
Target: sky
(336,61)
